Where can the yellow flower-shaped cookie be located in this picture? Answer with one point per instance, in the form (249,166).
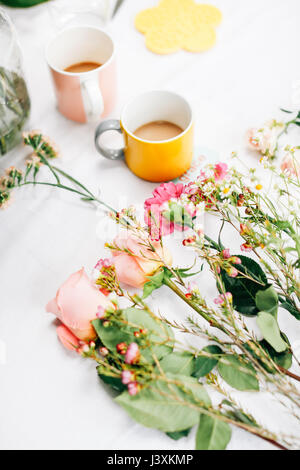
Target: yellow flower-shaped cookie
(179,24)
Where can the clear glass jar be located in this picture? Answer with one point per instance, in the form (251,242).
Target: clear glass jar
(65,13)
(14,99)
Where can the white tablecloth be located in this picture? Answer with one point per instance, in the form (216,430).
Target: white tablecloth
(50,398)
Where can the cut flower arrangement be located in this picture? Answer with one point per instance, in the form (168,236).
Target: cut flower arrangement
(160,381)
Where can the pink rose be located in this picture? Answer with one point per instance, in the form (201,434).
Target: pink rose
(76,305)
(67,338)
(155,206)
(135,269)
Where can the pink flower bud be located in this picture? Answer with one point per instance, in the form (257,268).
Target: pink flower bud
(219,300)
(127,377)
(232,272)
(85,348)
(100,312)
(235,260)
(103,351)
(226,253)
(132,354)
(133,388)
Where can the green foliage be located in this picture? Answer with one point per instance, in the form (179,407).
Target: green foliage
(238,415)
(244,290)
(137,319)
(270,330)
(204,365)
(166,406)
(283,359)
(237,374)
(154,283)
(287,305)
(22,3)
(212,434)
(178,434)
(113,382)
(267,301)
(182,363)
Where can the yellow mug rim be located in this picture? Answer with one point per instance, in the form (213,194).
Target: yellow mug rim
(157,141)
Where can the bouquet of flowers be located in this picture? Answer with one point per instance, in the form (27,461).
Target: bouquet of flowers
(160,380)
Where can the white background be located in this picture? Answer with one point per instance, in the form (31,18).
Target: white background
(51,398)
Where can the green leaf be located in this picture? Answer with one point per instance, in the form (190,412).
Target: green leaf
(238,414)
(178,434)
(212,434)
(283,359)
(270,330)
(244,290)
(165,406)
(158,333)
(287,305)
(155,282)
(178,363)
(204,365)
(267,301)
(238,374)
(22,3)
(113,382)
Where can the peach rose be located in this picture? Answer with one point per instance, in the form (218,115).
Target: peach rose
(75,305)
(135,269)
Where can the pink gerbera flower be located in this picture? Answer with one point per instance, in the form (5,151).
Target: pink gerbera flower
(154,207)
(221,170)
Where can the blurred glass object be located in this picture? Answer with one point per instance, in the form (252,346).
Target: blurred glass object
(14,99)
(66,13)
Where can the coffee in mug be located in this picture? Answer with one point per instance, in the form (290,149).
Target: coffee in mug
(82,64)
(82,67)
(158,131)
(159,138)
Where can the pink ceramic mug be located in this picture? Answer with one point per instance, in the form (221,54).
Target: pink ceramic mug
(83,96)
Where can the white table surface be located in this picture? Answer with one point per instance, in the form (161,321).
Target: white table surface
(50,398)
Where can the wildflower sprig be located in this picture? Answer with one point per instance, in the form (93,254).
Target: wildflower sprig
(44,151)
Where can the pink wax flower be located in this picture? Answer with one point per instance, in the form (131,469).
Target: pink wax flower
(132,354)
(135,268)
(232,272)
(226,253)
(235,260)
(127,377)
(76,304)
(221,300)
(104,263)
(154,208)
(221,170)
(104,351)
(133,388)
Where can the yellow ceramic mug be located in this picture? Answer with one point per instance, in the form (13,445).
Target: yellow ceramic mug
(154,161)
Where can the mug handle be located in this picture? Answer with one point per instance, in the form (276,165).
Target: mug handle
(93,99)
(111,125)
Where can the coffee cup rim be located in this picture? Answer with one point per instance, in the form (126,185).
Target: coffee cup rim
(188,127)
(77,74)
